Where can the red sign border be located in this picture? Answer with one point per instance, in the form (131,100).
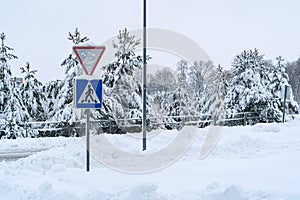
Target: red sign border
(75,48)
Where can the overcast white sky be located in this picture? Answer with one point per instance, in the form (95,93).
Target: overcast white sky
(37,30)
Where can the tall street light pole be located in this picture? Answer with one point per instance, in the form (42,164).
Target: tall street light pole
(144,120)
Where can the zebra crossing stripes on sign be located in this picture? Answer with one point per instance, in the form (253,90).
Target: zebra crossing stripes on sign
(88,93)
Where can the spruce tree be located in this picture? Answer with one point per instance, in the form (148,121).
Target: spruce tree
(252,88)
(209,102)
(196,77)
(180,106)
(31,92)
(16,114)
(293,70)
(51,91)
(5,72)
(11,108)
(122,90)
(64,105)
(278,80)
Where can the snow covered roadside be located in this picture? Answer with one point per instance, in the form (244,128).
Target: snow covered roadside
(252,162)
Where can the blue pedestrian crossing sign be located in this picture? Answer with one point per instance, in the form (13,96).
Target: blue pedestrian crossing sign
(88,93)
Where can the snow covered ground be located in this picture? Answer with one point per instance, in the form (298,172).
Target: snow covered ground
(252,162)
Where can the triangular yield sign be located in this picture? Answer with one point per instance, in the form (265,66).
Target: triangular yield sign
(88,95)
(89,57)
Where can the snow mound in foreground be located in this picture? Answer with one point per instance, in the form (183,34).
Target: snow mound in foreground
(245,161)
(271,127)
(62,154)
(144,191)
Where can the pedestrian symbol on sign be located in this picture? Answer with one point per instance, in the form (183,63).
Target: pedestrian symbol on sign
(88,93)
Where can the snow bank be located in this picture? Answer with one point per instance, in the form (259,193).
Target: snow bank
(251,162)
(55,155)
(144,191)
(271,127)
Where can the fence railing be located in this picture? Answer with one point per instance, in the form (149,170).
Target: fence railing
(77,128)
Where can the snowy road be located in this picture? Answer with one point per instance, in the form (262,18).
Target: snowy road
(14,155)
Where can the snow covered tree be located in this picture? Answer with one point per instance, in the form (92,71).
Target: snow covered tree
(247,90)
(179,108)
(254,87)
(160,87)
(31,92)
(182,67)
(182,76)
(122,90)
(5,72)
(164,80)
(177,105)
(64,105)
(51,91)
(199,91)
(196,77)
(209,101)
(293,71)
(11,107)
(16,114)
(278,80)
(278,77)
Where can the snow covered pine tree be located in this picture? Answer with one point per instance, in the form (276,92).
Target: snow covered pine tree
(209,97)
(247,90)
(51,91)
(5,72)
(12,108)
(177,105)
(278,80)
(293,70)
(122,90)
(64,111)
(254,87)
(16,114)
(31,92)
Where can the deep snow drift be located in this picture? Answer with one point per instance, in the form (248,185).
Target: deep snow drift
(251,162)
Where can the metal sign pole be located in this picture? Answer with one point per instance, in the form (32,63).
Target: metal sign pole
(144,79)
(284,101)
(87,130)
(88,91)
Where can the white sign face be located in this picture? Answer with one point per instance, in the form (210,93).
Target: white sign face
(89,57)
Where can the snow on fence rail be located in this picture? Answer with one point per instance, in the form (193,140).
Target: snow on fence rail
(35,129)
(63,128)
(244,118)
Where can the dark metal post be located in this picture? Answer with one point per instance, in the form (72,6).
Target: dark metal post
(284,101)
(144,77)
(87,130)
(26,127)
(110,124)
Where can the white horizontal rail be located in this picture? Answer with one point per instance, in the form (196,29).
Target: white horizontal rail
(127,122)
